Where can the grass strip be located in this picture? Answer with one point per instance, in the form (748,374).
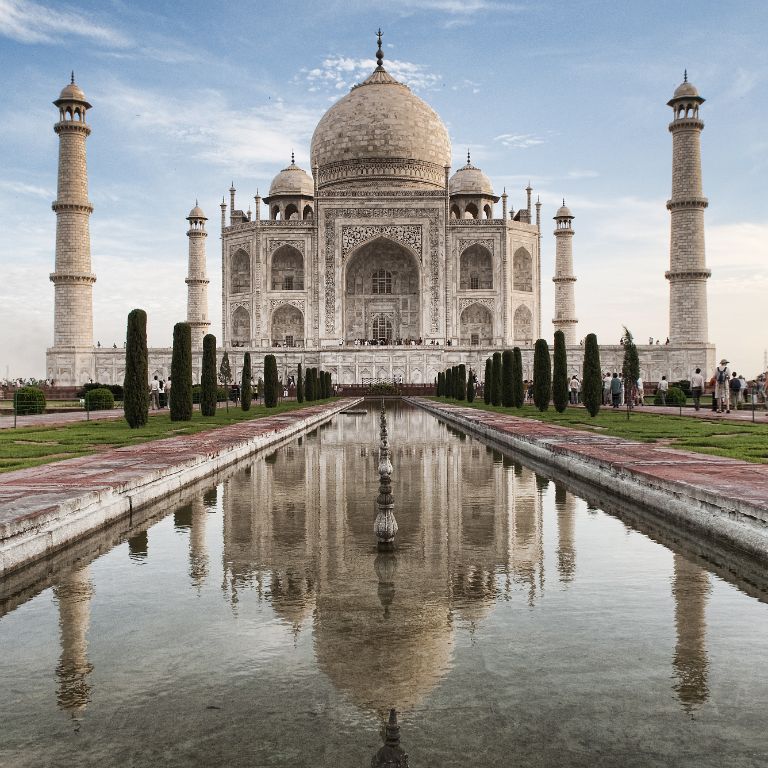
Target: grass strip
(32,446)
(732,439)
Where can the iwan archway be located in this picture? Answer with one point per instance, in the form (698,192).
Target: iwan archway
(382,293)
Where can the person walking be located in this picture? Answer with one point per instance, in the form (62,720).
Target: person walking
(663,389)
(154,394)
(735,387)
(607,388)
(161,393)
(697,388)
(640,391)
(615,390)
(573,387)
(722,374)
(168,392)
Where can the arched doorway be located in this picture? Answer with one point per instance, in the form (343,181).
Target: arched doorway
(476,325)
(241,327)
(287,269)
(381,286)
(475,268)
(523,324)
(288,326)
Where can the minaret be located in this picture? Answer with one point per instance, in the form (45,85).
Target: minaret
(564,279)
(688,271)
(197,282)
(73,280)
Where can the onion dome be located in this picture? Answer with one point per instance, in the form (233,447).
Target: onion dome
(380,129)
(469,180)
(292,182)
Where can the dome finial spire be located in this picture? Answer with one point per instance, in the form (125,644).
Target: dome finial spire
(379,51)
(293,161)
(685,75)
(72,79)
(469,162)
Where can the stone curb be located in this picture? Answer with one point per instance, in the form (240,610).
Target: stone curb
(737,521)
(38,531)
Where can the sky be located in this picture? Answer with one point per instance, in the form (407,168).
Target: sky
(188,97)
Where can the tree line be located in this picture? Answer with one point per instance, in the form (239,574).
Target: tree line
(312,384)
(503,381)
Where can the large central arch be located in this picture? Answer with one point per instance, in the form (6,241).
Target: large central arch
(381,287)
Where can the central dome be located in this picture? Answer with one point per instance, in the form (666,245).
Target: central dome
(381,130)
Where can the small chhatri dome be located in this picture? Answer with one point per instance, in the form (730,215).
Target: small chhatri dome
(72,92)
(469,180)
(381,129)
(197,213)
(563,212)
(292,181)
(686,90)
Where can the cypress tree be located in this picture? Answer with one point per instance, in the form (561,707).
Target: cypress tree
(560,374)
(592,378)
(326,388)
(299,386)
(209,387)
(270,381)
(246,386)
(507,378)
(496,379)
(225,375)
(136,381)
(487,381)
(181,373)
(471,386)
(542,375)
(329,385)
(308,385)
(451,383)
(518,387)
(461,389)
(630,369)
(439,384)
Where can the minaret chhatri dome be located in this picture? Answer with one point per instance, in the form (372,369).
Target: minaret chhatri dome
(381,130)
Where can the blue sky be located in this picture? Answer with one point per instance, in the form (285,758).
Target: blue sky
(571,95)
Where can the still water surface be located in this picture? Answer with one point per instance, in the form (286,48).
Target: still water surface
(256,625)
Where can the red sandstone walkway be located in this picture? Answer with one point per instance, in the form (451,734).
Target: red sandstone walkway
(26,493)
(730,479)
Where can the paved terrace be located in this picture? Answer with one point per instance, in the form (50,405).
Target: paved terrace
(726,499)
(43,508)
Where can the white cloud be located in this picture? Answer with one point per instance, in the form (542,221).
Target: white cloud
(519,140)
(340,73)
(28,22)
(22,188)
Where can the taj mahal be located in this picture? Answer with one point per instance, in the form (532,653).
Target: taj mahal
(381,264)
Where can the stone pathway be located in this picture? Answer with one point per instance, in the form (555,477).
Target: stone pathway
(737,487)
(51,495)
(57,419)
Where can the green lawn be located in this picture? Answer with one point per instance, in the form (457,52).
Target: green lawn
(32,446)
(736,440)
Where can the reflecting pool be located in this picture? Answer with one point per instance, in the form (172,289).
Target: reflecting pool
(520,621)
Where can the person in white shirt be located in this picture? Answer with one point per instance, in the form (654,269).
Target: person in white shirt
(722,393)
(697,388)
(640,391)
(154,393)
(663,389)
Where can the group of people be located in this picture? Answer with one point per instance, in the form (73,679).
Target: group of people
(732,390)
(398,342)
(159,393)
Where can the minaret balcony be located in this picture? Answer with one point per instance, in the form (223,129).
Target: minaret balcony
(687,202)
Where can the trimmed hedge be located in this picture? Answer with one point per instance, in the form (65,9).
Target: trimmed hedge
(542,375)
(592,377)
(487,381)
(560,374)
(136,380)
(209,388)
(270,381)
(507,379)
(115,389)
(675,396)
(28,400)
(461,389)
(100,399)
(246,383)
(518,388)
(181,373)
(299,386)
(496,383)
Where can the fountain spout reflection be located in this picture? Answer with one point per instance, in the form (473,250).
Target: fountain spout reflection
(385,525)
(391,754)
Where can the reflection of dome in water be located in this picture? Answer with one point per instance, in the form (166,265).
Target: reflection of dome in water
(382,662)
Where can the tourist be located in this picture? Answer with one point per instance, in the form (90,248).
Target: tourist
(743,390)
(697,388)
(574,386)
(663,389)
(640,391)
(720,380)
(607,389)
(734,385)
(615,389)
(168,392)
(154,394)
(161,393)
